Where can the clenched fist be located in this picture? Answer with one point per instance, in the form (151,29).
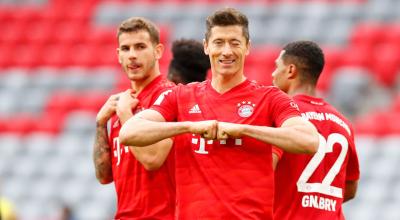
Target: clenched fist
(107,110)
(126,102)
(228,130)
(207,129)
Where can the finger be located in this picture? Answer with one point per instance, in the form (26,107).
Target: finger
(222,135)
(214,130)
(114,97)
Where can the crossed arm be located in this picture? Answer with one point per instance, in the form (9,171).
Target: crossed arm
(151,157)
(149,126)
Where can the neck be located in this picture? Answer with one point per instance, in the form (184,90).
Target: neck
(302,88)
(139,85)
(223,83)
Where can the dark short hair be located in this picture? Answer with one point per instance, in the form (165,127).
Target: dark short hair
(228,17)
(189,60)
(308,58)
(135,24)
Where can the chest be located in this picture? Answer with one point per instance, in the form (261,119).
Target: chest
(242,108)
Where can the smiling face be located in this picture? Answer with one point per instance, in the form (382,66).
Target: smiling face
(138,55)
(227,48)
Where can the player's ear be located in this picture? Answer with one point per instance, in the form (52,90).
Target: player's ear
(248,46)
(119,58)
(159,50)
(292,71)
(205,45)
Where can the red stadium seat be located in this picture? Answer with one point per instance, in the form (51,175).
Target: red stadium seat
(367,34)
(84,55)
(70,33)
(386,63)
(392,35)
(6,59)
(396,104)
(358,56)
(57,55)
(372,124)
(333,56)
(21,124)
(92,101)
(50,123)
(62,102)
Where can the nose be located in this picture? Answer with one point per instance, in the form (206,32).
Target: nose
(132,53)
(227,50)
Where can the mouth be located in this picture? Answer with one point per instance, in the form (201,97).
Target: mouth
(226,61)
(134,66)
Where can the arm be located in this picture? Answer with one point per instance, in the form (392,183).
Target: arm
(101,147)
(350,190)
(149,126)
(295,135)
(153,156)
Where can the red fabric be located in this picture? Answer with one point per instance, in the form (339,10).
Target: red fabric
(217,180)
(142,194)
(292,204)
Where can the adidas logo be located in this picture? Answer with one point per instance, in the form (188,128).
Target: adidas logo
(195,109)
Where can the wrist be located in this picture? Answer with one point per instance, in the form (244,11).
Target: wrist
(185,127)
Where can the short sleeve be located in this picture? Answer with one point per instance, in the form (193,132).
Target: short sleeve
(282,107)
(166,104)
(277,151)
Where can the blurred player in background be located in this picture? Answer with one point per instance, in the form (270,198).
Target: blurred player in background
(232,177)
(313,186)
(141,194)
(189,62)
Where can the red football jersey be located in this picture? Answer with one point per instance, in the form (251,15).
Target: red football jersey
(231,179)
(142,194)
(312,186)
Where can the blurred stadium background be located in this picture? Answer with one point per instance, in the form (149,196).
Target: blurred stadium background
(58,65)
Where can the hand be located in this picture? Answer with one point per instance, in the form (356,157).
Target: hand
(107,110)
(207,129)
(228,130)
(126,102)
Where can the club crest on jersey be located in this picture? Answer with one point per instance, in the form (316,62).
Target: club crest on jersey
(245,109)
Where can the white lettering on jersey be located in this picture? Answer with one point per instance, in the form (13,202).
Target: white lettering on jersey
(118,151)
(324,187)
(313,116)
(161,97)
(202,143)
(317,202)
(326,116)
(338,121)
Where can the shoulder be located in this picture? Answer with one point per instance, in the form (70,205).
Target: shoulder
(166,84)
(193,86)
(254,85)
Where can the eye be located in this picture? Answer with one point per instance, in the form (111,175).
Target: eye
(218,42)
(124,48)
(141,46)
(235,43)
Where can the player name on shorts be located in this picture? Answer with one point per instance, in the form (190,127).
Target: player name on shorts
(319,116)
(317,202)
